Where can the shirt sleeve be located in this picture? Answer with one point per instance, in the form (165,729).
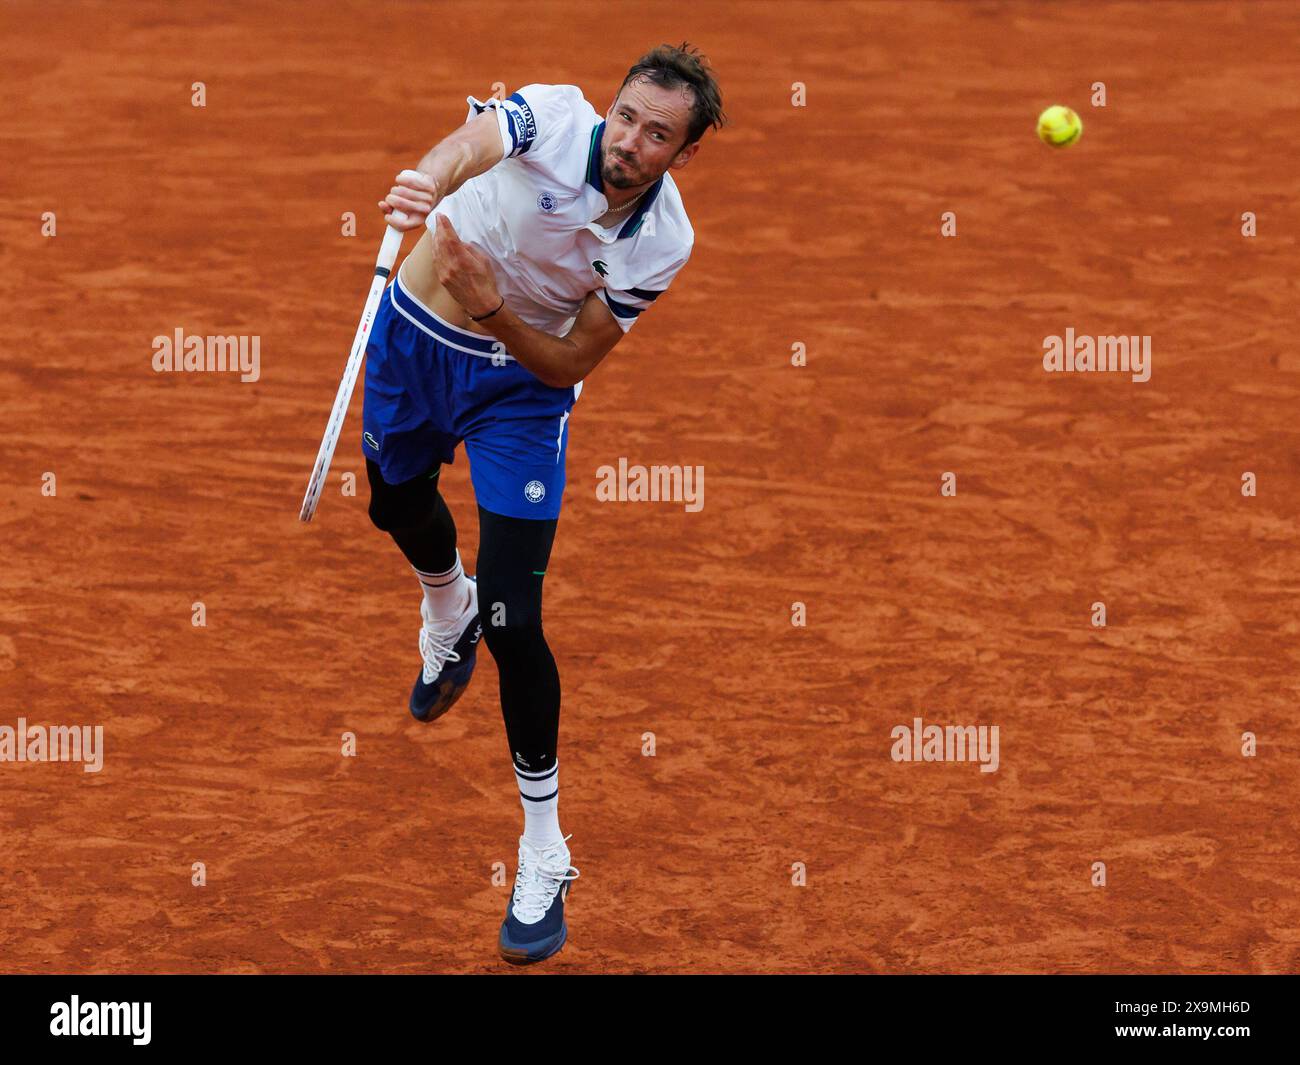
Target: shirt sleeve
(627,304)
(533,119)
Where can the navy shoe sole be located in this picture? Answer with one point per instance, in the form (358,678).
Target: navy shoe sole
(532,952)
(430,701)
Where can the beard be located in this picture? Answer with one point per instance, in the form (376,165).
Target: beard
(626,178)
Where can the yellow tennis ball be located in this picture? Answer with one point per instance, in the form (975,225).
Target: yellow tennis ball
(1059,126)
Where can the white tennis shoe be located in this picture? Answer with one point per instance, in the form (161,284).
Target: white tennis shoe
(448,649)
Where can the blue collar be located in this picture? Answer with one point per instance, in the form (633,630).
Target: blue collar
(634,220)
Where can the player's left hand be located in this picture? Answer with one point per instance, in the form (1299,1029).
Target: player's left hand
(464,270)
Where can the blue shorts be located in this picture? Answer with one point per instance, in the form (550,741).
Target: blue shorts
(430,385)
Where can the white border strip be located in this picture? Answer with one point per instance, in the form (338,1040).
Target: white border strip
(502,353)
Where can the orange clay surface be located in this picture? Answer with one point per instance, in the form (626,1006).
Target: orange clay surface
(815,225)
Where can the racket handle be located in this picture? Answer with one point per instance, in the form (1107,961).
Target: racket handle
(388,250)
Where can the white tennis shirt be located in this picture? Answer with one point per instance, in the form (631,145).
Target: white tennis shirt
(533,214)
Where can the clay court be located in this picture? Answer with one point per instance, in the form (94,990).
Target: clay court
(816,225)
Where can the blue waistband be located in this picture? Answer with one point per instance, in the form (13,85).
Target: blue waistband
(451,335)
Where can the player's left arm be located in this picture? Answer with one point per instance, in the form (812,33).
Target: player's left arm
(560,362)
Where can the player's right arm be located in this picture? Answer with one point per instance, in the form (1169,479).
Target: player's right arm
(473,149)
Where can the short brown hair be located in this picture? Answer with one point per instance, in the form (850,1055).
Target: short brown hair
(670,67)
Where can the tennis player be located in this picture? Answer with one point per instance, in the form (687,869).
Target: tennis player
(550,230)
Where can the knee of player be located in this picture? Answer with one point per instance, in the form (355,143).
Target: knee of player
(397,510)
(501,617)
(382,515)
(501,612)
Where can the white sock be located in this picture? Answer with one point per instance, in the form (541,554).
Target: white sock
(446,593)
(540,795)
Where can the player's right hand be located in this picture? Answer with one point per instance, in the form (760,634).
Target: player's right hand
(410,201)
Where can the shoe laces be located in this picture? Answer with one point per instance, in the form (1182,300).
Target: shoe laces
(436,645)
(541,875)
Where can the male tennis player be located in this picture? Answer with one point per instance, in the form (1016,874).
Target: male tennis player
(550,229)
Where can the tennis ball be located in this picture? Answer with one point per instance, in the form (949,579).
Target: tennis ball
(1059,126)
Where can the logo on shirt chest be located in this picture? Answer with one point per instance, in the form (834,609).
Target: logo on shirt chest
(601,267)
(546,202)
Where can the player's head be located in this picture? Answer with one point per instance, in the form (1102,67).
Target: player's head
(666,102)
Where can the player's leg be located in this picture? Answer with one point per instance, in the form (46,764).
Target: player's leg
(517,464)
(404,440)
(512,560)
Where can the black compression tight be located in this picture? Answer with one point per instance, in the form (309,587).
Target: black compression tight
(415,515)
(512,558)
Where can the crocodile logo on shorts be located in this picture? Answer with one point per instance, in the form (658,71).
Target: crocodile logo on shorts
(371,440)
(534,491)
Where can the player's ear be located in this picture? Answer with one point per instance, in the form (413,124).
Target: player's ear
(685,156)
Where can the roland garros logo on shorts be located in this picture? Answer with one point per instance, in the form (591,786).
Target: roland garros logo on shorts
(534,491)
